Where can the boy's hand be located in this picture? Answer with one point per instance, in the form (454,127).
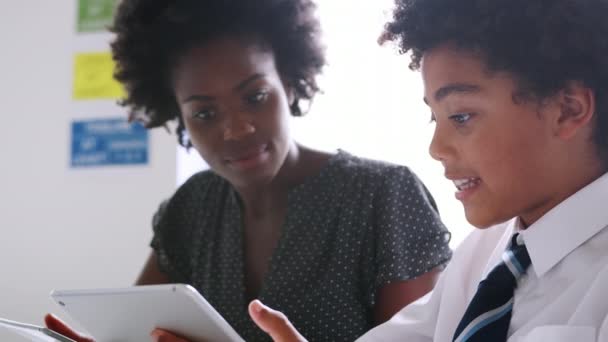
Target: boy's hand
(274,323)
(57,325)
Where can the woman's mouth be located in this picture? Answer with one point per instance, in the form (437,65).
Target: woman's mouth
(250,158)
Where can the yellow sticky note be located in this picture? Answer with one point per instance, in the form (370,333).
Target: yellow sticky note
(93,77)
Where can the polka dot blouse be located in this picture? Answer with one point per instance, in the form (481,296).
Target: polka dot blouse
(357,225)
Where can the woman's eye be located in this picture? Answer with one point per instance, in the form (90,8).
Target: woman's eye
(460,118)
(204,114)
(257,97)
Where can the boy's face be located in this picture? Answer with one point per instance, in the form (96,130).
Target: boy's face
(497,151)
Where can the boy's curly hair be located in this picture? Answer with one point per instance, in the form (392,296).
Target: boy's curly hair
(544,44)
(152,34)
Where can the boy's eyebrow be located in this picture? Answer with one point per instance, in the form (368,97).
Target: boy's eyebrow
(238,87)
(450,89)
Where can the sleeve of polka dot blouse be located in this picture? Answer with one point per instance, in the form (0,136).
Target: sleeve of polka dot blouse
(171,260)
(410,237)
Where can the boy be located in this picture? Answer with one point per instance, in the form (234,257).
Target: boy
(519,95)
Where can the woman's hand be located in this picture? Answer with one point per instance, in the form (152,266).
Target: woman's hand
(57,325)
(274,323)
(160,335)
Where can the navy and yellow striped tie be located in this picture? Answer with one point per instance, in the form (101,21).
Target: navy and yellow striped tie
(488,315)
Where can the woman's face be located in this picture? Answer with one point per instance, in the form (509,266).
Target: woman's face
(235,108)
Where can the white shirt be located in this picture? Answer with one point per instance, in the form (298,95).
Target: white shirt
(563,297)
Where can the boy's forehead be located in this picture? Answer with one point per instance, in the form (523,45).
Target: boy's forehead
(463,72)
(444,66)
(448,62)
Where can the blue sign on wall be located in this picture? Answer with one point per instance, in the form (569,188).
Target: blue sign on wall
(108,142)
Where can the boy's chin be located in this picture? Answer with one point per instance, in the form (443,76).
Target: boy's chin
(481,221)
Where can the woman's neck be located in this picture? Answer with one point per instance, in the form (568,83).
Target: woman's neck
(300,164)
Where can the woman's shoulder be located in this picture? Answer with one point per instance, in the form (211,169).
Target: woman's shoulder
(368,168)
(383,180)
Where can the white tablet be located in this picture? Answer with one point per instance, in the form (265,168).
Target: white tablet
(130,314)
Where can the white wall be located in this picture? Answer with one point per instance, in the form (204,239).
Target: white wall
(62,227)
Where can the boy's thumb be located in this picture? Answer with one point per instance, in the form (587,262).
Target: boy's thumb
(274,323)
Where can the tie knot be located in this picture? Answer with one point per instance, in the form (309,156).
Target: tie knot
(516,257)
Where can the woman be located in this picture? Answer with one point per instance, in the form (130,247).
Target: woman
(323,237)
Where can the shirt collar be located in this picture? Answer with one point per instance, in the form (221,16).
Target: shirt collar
(567,226)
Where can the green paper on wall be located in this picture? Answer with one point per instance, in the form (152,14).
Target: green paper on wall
(95,15)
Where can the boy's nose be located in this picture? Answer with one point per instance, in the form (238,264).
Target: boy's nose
(439,149)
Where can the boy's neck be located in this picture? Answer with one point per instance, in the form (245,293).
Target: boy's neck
(569,181)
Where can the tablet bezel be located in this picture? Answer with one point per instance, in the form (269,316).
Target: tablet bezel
(33,331)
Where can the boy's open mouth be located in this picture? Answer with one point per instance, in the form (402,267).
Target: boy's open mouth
(466,183)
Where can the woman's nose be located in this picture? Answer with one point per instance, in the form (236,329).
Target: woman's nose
(237,128)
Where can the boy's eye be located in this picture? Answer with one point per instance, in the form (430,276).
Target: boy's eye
(204,114)
(257,97)
(460,118)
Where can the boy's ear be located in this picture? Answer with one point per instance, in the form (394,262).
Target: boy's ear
(577,108)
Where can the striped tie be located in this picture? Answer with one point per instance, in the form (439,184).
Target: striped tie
(489,312)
